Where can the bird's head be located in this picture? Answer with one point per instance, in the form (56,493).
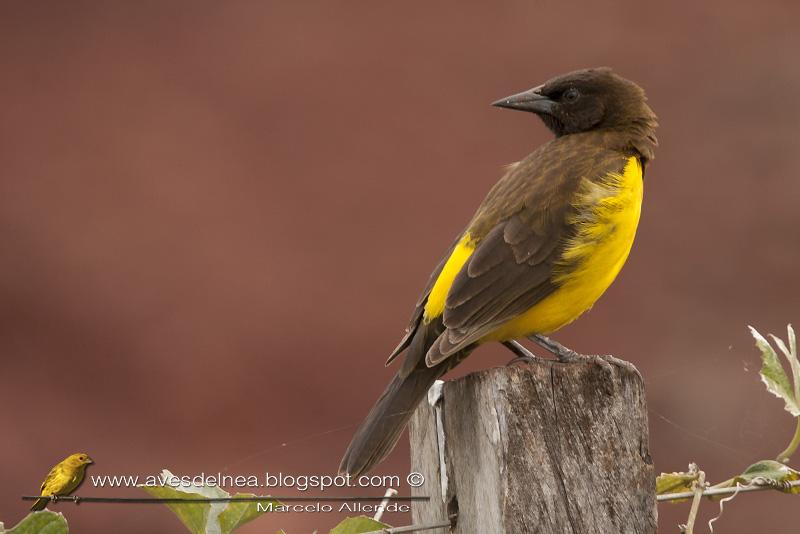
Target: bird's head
(79,459)
(586,100)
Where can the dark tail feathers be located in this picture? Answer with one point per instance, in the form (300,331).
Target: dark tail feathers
(380,431)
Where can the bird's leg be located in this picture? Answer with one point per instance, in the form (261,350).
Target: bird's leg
(523,354)
(564,354)
(567,355)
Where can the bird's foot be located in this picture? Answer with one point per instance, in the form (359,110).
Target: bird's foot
(76,499)
(523,354)
(567,355)
(53,499)
(563,353)
(618,362)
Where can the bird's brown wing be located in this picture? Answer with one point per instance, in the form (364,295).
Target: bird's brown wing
(524,224)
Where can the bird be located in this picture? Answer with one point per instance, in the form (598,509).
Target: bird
(547,241)
(63,478)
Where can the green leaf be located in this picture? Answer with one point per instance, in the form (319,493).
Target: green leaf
(358,525)
(239,513)
(208,518)
(791,356)
(766,473)
(675,482)
(194,516)
(44,522)
(773,374)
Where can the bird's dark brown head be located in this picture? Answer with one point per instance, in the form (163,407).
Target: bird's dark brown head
(585,100)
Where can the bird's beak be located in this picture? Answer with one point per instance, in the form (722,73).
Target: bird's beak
(89,461)
(532,101)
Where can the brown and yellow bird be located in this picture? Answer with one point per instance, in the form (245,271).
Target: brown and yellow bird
(543,246)
(64,478)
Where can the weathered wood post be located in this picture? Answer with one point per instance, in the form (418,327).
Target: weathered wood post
(543,448)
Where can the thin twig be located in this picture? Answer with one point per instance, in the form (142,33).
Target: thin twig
(785,455)
(719,491)
(722,508)
(147,500)
(699,486)
(410,528)
(391,492)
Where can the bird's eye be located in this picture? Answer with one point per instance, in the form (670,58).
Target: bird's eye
(571,95)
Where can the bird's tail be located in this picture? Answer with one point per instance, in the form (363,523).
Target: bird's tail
(378,434)
(39,505)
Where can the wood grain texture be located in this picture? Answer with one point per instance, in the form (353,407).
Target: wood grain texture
(542,448)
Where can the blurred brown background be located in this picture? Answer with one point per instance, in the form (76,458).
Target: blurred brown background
(216,218)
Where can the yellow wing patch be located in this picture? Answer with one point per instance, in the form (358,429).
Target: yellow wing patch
(434,307)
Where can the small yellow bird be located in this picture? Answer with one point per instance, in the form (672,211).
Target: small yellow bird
(64,478)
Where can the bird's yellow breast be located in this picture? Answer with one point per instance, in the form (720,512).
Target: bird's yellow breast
(606,219)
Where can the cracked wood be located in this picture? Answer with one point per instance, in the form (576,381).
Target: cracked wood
(542,448)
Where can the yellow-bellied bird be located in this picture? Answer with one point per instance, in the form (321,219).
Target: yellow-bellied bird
(543,246)
(64,478)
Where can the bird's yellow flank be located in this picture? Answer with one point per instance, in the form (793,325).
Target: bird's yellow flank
(608,215)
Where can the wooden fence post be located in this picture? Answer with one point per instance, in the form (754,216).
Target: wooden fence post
(543,448)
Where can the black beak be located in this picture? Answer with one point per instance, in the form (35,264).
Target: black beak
(532,101)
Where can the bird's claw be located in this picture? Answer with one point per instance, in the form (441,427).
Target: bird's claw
(564,354)
(522,359)
(76,499)
(523,354)
(620,363)
(567,355)
(606,361)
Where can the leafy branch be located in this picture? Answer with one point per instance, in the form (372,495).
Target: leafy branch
(223,518)
(778,383)
(765,474)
